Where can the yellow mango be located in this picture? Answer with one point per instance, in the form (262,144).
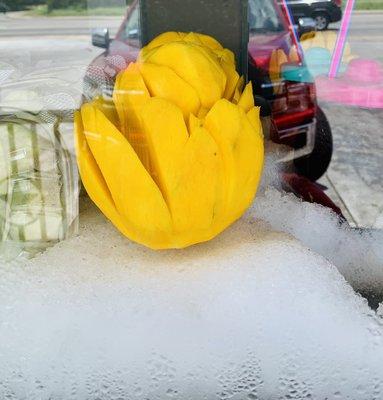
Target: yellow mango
(172,162)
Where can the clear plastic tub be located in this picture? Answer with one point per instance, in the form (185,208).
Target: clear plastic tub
(38,182)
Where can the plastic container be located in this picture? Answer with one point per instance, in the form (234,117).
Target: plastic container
(38,183)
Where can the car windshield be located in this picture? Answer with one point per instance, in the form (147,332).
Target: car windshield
(131,30)
(263,17)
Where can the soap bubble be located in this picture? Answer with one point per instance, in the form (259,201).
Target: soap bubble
(253,314)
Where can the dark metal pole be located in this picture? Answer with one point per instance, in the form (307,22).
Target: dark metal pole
(225,20)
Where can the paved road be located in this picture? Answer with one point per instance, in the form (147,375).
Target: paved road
(366,34)
(354,177)
(61,49)
(17,24)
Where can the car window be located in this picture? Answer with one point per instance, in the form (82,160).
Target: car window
(132,26)
(263,17)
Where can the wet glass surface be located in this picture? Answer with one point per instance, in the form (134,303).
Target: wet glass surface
(285,303)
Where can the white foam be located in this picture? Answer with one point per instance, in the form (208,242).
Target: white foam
(253,314)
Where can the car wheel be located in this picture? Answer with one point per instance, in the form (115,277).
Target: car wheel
(315,164)
(321,21)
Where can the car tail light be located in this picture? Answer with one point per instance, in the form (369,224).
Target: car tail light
(313,93)
(296,106)
(338,2)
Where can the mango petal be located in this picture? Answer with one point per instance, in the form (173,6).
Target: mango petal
(108,108)
(238,90)
(193,64)
(194,123)
(209,41)
(249,157)
(196,195)
(130,95)
(202,112)
(242,152)
(92,178)
(246,101)
(164,38)
(137,198)
(227,62)
(164,83)
(166,135)
(193,38)
(253,115)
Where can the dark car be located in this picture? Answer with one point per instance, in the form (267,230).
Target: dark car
(322,11)
(300,123)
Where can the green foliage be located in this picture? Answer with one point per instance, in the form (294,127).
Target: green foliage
(15,5)
(82,4)
(369,5)
(56,4)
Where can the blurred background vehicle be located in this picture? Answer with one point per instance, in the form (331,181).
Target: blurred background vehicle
(299,122)
(323,12)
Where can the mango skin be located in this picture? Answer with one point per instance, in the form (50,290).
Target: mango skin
(177,156)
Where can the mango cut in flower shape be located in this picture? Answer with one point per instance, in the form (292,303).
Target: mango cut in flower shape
(177,155)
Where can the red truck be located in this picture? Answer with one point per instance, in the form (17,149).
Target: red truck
(297,119)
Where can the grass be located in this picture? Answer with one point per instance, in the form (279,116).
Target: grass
(369,5)
(42,10)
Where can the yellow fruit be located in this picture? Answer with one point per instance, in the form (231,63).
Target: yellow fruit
(177,156)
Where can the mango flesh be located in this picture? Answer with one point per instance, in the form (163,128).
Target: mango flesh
(164,83)
(190,62)
(177,156)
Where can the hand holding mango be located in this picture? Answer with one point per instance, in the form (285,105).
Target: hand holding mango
(177,156)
